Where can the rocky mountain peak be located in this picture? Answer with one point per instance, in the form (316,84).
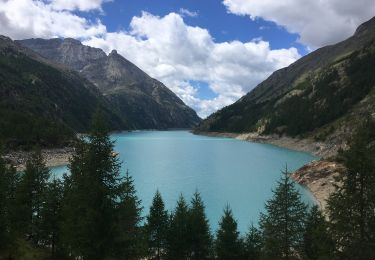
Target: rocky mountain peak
(5,41)
(366,28)
(143,101)
(4,38)
(71,41)
(113,52)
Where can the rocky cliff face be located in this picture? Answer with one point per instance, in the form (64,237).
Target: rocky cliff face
(323,96)
(144,102)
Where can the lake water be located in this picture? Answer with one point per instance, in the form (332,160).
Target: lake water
(223,170)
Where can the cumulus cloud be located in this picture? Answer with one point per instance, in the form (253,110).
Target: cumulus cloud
(82,5)
(165,47)
(176,53)
(317,23)
(22,19)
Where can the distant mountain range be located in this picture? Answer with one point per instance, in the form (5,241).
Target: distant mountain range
(50,90)
(143,102)
(323,95)
(57,84)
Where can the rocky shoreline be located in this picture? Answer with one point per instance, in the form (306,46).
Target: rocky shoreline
(317,176)
(52,157)
(308,145)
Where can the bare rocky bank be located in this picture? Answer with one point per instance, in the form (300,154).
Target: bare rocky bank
(52,157)
(308,145)
(317,176)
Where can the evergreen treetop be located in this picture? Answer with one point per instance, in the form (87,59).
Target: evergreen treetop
(228,243)
(199,229)
(157,227)
(178,235)
(283,223)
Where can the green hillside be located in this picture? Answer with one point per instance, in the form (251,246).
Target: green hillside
(42,103)
(322,95)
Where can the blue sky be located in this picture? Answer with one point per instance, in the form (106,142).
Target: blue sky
(209,52)
(211,14)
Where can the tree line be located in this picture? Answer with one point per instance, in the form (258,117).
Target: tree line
(94,213)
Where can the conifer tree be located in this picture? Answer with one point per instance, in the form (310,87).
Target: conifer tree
(51,215)
(157,228)
(283,223)
(91,193)
(9,180)
(228,243)
(199,230)
(31,197)
(317,241)
(178,235)
(253,244)
(351,206)
(126,226)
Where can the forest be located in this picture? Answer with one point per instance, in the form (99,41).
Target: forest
(95,213)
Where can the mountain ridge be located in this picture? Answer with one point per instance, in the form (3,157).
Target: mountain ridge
(43,103)
(320,57)
(321,96)
(144,102)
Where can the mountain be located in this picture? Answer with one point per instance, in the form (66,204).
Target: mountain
(144,102)
(323,95)
(43,103)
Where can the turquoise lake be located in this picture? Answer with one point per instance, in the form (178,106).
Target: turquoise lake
(223,170)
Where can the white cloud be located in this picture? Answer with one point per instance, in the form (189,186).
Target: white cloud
(22,19)
(164,47)
(82,5)
(187,12)
(318,23)
(176,53)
